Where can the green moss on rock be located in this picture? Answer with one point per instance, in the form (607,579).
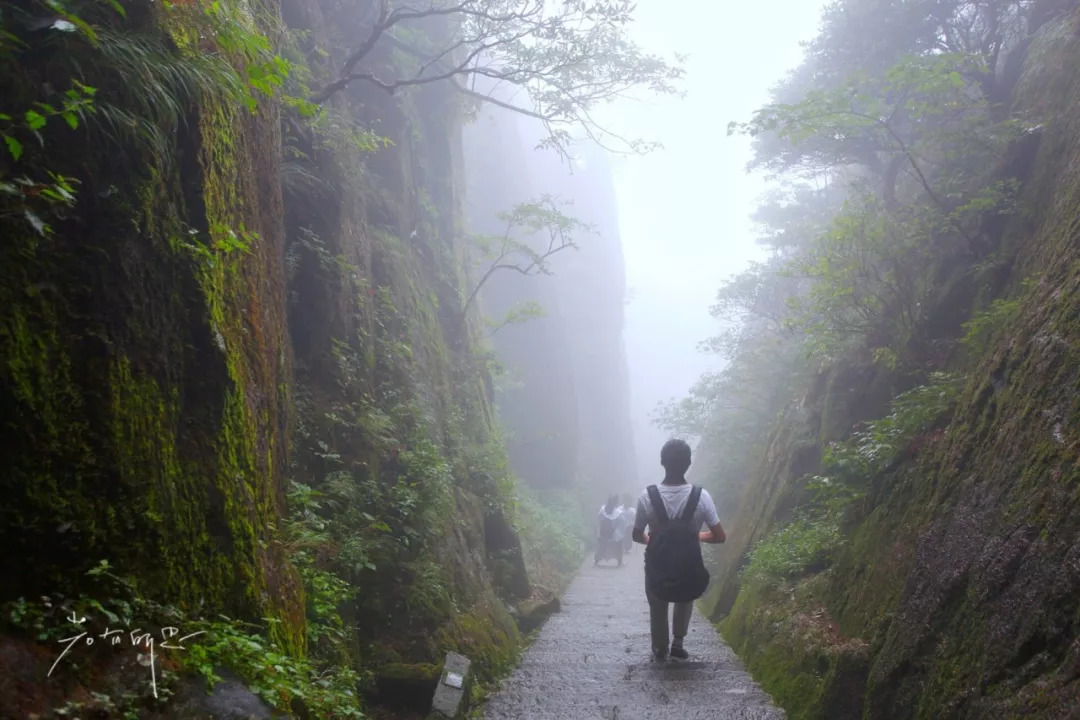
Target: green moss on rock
(136,425)
(951,574)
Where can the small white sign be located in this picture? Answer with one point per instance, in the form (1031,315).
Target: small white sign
(453,680)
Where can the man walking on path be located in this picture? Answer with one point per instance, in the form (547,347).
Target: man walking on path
(674,572)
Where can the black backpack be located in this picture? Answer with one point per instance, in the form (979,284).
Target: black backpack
(674,570)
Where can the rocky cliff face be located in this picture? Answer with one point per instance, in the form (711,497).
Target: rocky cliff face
(538,398)
(593,288)
(237,370)
(566,396)
(146,377)
(952,588)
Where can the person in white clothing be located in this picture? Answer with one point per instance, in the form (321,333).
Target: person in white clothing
(609,544)
(674,491)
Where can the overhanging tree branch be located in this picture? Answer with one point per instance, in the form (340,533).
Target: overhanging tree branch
(507,252)
(570,57)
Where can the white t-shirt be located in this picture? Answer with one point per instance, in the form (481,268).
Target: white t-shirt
(675,497)
(617,522)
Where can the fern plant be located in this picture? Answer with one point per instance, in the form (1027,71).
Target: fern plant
(152,88)
(984,326)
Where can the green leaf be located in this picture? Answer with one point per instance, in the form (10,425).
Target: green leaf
(101,608)
(71,19)
(14,147)
(35,221)
(72,119)
(88,90)
(101,567)
(35,120)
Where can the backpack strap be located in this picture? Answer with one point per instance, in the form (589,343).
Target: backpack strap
(657,504)
(691,504)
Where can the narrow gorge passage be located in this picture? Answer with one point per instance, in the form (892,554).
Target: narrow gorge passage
(591,661)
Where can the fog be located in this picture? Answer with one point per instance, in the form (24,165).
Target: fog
(683,210)
(674,221)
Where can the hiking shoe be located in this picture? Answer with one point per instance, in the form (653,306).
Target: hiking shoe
(678,653)
(659,655)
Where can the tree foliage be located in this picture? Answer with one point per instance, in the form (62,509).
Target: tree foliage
(533,232)
(883,148)
(909,147)
(119,86)
(555,61)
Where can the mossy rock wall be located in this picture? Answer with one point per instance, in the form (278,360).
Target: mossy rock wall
(955,593)
(394,394)
(163,389)
(145,390)
(793,451)
(840,395)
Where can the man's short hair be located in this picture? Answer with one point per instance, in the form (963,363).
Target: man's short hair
(675,455)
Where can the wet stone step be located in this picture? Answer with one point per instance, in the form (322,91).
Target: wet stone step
(591,660)
(685,672)
(632,695)
(624,711)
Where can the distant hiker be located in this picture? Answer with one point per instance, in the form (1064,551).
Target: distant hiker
(609,535)
(674,570)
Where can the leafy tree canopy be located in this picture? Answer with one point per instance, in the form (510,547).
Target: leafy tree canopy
(553,60)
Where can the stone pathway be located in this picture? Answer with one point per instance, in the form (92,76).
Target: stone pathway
(591,662)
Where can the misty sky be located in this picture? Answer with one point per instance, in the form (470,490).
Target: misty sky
(683,210)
